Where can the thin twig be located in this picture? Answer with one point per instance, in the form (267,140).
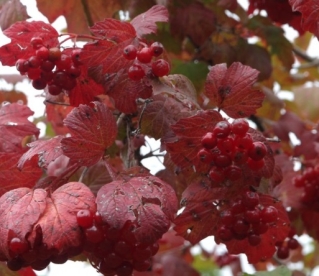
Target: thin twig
(145,103)
(87,13)
(57,103)
(83,174)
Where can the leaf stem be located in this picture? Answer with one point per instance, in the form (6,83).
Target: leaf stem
(145,103)
(87,13)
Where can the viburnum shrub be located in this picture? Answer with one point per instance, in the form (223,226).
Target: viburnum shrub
(230,166)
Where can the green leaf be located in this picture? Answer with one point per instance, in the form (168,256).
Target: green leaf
(279,271)
(205,266)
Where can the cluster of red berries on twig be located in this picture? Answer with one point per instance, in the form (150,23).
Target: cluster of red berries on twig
(51,66)
(247,219)
(308,181)
(228,147)
(284,247)
(144,56)
(114,251)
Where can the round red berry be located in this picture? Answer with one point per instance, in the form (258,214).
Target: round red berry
(209,141)
(130,52)
(144,55)
(36,42)
(157,49)
(257,151)
(269,214)
(240,127)
(160,68)
(222,129)
(136,72)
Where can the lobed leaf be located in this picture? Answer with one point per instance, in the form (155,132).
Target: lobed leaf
(231,89)
(93,130)
(15,126)
(145,23)
(145,200)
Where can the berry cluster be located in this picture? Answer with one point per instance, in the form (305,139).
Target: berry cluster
(136,71)
(228,147)
(39,256)
(309,182)
(246,218)
(284,247)
(114,251)
(51,66)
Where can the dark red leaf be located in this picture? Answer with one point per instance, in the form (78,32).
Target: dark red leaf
(21,34)
(115,30)
(47,150)
(145,23)
(11,177)
(310,14)
(231,89)
(147,201)
(276,232)
(52,215)
(14,127)
(93,130)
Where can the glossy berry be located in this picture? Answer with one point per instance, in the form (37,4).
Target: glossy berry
(84,217)
(222,160)
(226,145)
(39,83)
(42,53)
(252,216)
(144,55)
(269,214)
(222,129)
(255,165)
(241,226)
(160,68)
(244,142)
(73,71)
(233,173)
(47,65)
(156,48)
(54,54)
(34,73)
(36,42)
(240,157)
(94,234)
(130,52)
(76,57)
(240,127)
(227,218)
(257,151)
(259,228)
(293,244)
(250,199)
(64,62)
(225,234)
(254,239)
(136,72)
(18,247)
(34,62)
(209,141)
(237,207)
(22,65)
(205,156)
(283,252)
(216,175)
(126,269)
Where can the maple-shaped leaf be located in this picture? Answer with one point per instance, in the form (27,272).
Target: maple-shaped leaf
(184,151)
(47,150)
(93,130)
(145,23)
(310,14)
(277,231)
(230,89)
(44,217)
(11,12)
(145,201)
(75,13)
(11,177)
(21,34)
(14,126)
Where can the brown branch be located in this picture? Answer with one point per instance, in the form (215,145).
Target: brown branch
(87,13)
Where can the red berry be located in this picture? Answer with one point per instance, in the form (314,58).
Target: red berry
(18,247)
(222,160)
(233,173)
(60,78)
(126,269)
(73,71)
(47,65)
(283,252)
(269,214)
(113,260)
(209,141)
(123,249)
(142,265)
(64,62)
(76,57)
(36,42)
(157,49)
(69,84)
(226,145)
(224,233)
(252,216)
(205,156)
(130,52)
(259,228)
(254,239)
(34,73)
(22,65)
(293,244)
(144,55)
(222,129)
(34,62)
(227,217)
(39,83)
(141,254)
(84,218)
(237,207)
(216,175)
(160,68)
(244,142)
(54,54)
(240,157)
(255,165)
(258,151)
(250,199)
(136,72)
(15,264)
(240,127)
(42,53)
(240,226)
(94,234)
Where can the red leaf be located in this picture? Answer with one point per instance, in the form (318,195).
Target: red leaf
(310,14)
(14,127)
(26,271)
(125,92)
(147,201)
(47,150)
(231,89)
(21,34)
(191,130)
(45,216)
(145,23)
(276,232)
(114,30)
(11,177)
(93,130)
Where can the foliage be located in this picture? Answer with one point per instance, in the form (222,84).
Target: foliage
(225,137)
